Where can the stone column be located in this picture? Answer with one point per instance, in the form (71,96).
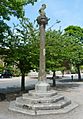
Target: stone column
(42,20)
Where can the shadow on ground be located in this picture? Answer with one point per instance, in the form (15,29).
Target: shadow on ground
(67,84)
(10,93)
(65,87)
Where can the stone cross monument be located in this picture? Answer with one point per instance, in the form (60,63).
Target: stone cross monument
(42,20)
(42,100)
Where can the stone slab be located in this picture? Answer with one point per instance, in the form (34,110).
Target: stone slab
(40,94)
(34,100)
(66,109)
(42,106)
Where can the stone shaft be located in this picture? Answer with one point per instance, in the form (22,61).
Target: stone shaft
(42,21)
(42,53)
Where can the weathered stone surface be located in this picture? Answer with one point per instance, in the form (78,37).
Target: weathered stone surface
(37,99)
(41,94)
(66,109)
(39,102)
(42,86)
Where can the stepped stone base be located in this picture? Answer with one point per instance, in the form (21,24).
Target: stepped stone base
(66,109)
(42,101)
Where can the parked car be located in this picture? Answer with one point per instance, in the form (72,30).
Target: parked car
(6,74)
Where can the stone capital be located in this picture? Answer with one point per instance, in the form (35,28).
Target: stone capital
(42,20)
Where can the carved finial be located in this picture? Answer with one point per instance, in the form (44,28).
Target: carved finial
(41,10)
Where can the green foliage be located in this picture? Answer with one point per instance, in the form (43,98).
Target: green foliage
(81,67)
(75,31)
(20,46)
(53,50)
(73,46)
(15,7)
(73,70)
(62,50)
(17,43)
(1,68)
(7,9)
(73,49)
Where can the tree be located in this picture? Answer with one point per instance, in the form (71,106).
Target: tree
(20,47)
(7,9)
(73,52)
(74,36)
(53,52)
(13,7)
(74,31)
(12,45)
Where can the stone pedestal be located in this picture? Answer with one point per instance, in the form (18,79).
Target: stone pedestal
(41,101)
(42,86)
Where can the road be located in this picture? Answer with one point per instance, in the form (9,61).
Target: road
(15,82)
(29,81)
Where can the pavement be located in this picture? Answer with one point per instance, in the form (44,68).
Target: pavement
(72,90)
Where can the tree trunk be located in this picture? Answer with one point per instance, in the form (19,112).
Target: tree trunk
(54,81)
(62,73)
(79,74)
(23,82)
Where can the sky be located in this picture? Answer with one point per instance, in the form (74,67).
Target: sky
(69,12)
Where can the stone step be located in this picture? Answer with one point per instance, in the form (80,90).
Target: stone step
(66,109)
(40,94)
(52,106)
(35,100)
(20,102)
(15,108)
